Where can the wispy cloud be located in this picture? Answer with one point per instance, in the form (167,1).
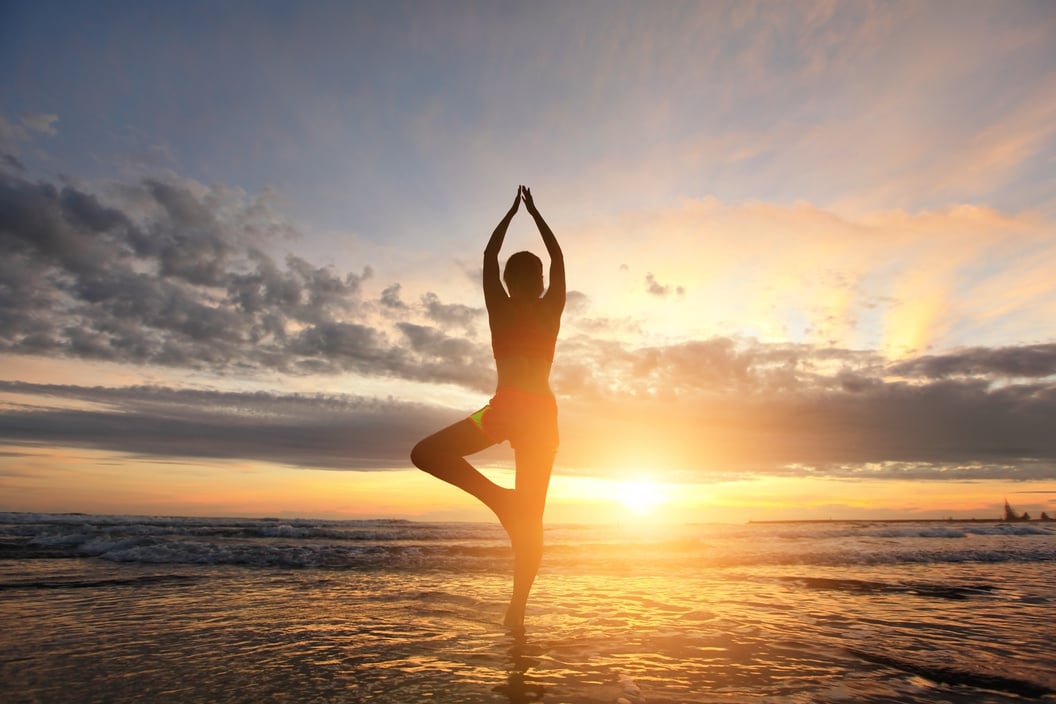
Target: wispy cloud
(20,130)
(899,282)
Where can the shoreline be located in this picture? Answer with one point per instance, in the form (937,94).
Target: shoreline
(898,520)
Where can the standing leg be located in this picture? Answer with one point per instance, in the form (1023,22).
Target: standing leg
(526,528)
(442,454)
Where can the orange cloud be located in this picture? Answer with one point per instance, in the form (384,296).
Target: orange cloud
(891,280)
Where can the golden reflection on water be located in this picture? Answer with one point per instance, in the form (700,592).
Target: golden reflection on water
(656,631)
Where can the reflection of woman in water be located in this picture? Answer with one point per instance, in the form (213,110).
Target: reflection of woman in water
(524,324)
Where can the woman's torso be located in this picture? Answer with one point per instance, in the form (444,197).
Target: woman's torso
(523,336)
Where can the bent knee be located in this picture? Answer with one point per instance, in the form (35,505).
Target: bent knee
(418,456)
(422,455)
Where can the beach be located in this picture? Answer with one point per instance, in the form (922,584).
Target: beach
(123,608)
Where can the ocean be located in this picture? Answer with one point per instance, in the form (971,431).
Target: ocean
(153,609)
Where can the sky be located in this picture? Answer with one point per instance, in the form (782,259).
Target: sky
(809,248)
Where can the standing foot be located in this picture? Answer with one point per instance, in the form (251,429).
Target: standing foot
(514,621)
(525,529)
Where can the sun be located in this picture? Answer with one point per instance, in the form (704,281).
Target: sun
(639,496)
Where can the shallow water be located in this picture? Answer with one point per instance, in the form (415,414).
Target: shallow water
(180,610)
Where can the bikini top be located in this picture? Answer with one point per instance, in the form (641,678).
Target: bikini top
(524,336)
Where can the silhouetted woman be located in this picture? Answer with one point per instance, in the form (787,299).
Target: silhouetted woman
(524,324)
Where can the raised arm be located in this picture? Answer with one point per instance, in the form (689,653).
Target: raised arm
(493,290)
(555,293)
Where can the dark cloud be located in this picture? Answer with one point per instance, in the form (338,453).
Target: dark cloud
(316,431)
(737,405)
(178,275)
(440,356)
(945,430)
(746,422)
(655,288)
(450,314)
(12,162)
(1028,361)
(709,407)
(390,298)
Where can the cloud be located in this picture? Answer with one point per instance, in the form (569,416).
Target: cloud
(315,431)
(937,109)
(451,314)
(390,298)
(655,288)
(42,123)
(176,274)
(900,282)
(1030,361)
(707,410)
(870,428)
(14,133)
(735,405)
(12,162)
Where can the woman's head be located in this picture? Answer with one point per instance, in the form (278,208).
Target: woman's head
(524,275)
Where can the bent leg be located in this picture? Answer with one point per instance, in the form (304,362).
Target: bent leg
(442,454)
(526,531)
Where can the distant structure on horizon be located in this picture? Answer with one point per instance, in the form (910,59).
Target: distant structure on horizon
(1012,517)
